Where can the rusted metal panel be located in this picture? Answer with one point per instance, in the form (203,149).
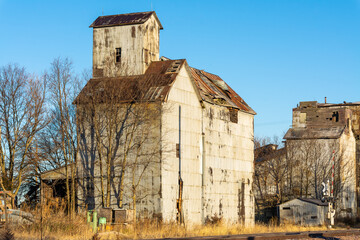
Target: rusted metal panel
(123,19)
(314,133)
(214,90)
(154,85)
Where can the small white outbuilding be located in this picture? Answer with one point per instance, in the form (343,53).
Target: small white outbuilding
(303,211)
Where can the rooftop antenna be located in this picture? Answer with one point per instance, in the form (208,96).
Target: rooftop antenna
(102,10)
(151,6)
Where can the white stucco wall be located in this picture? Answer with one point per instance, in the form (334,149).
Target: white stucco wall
(217,173)
(182,94)
(229,167)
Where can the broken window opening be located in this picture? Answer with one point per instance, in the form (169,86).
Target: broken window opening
(117,55)
(335,116)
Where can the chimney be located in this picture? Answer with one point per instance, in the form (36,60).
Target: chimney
(325,99)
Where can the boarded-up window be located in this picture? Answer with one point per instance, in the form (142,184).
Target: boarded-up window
(233,115)
(133,35)
(302,117)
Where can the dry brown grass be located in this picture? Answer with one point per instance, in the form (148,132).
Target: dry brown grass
(54,224)
(62,227)
(148,229)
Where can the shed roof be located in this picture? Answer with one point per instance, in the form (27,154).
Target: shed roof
(309,200)
(314,133)
(314,201)
(124,19)
(156,83)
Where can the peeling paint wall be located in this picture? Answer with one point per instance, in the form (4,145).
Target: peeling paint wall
(182,94)
(139,46)
(229,156)
(217,159)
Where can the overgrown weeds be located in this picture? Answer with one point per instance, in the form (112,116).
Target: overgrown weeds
(150,229)
(51,222)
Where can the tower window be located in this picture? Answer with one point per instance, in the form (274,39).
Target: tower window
(117,54)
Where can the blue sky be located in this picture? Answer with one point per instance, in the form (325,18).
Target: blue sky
(274,53)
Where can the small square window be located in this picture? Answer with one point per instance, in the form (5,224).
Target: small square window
(117,54)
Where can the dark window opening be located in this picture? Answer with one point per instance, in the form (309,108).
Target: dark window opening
(335,116)
(117,55)
(233,115)
(313,217)
(286,208)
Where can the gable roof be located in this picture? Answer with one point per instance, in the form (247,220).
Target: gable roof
(124,19)
(308,200)
(156,83)
(314,201)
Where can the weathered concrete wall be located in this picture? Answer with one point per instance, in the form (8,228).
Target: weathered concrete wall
(139,46)
(348,198)
(89,183)
(182,94)
(228,165)
(217,159)
(313,116)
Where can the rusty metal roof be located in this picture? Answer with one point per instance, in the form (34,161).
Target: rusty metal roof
(156,83)
(214,90)
(314,133)
(123,19)
(151,86)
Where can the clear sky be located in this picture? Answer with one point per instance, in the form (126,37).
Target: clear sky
(273,53)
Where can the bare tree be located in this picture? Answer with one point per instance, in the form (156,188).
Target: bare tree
(270,172)
(22,116)
(59,140)
(123,130)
